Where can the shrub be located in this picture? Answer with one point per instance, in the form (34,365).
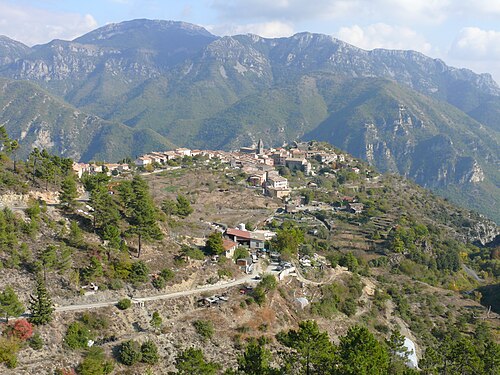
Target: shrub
(167,274)
(21,329)
(77,336)
(9,347)
(95,363)
(149,352)
(139,272)
(36,342)
(224,273)
(204,328)
(159,282)
(124,304)
(130,353)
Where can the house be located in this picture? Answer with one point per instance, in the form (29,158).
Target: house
(278,193)
(183,151)
(142,161)
(277,182)
(253,240)
(229,247)
(245,264)
(257,240)
(279,158)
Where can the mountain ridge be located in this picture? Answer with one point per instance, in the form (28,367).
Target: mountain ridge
(180,83)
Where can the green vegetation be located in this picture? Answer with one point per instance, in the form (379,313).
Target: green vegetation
(124,304)
(204,328)
(10,306)
(41,304)
(214,244)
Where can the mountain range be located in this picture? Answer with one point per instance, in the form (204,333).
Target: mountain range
(143,85)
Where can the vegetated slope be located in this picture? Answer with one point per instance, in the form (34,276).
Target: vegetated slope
(38,119)
(200,90)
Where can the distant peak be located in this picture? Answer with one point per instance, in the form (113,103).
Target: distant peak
(114,29)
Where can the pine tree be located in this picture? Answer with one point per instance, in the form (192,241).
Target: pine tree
(215,244)
(40,304)
(69,192)
(143,215)
(10,304)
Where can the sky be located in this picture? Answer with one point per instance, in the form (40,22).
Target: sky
(463,33)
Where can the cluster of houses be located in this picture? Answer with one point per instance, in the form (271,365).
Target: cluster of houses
(81,168)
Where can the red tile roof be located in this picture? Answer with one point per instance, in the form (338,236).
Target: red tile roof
(228,244)
(238,233)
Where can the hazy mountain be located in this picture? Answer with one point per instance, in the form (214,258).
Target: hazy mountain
(38,119)
(10,50)
(195,89)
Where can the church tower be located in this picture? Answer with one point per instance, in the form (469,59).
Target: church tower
(260,147)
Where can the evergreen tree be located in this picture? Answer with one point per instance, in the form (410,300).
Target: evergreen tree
(48,258)
(10,304)
(156,320)
(192,362)
(105,209)
(256,358)
(312,351)
(143,215)
(214,244)
(361,354)
(184,208)
(69,192)
(40,304)
(75,234)
(149,352)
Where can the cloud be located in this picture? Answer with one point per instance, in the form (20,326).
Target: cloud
(381,35)
(291,10)
(473,43)
(272,29)
(33,26)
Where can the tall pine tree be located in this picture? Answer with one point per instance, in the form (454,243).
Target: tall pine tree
(69,192)
(40,304)
(143,214)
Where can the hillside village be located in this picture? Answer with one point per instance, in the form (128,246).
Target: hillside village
(246,243)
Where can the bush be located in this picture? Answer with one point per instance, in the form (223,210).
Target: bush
(124,304)
(149,352)
(36,342)
(167,274)
(159,282)
(130,353)
(9,347)
(21,329)
(95,363)
(139,272)
(224,273)
(240,253)
(204,328)
(77,336)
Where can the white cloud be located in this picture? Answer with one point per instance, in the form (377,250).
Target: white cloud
(292,10)
(272,29)
(33,26)
(473,43)
(381,35)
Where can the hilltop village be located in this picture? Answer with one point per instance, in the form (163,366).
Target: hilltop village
(261,165)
